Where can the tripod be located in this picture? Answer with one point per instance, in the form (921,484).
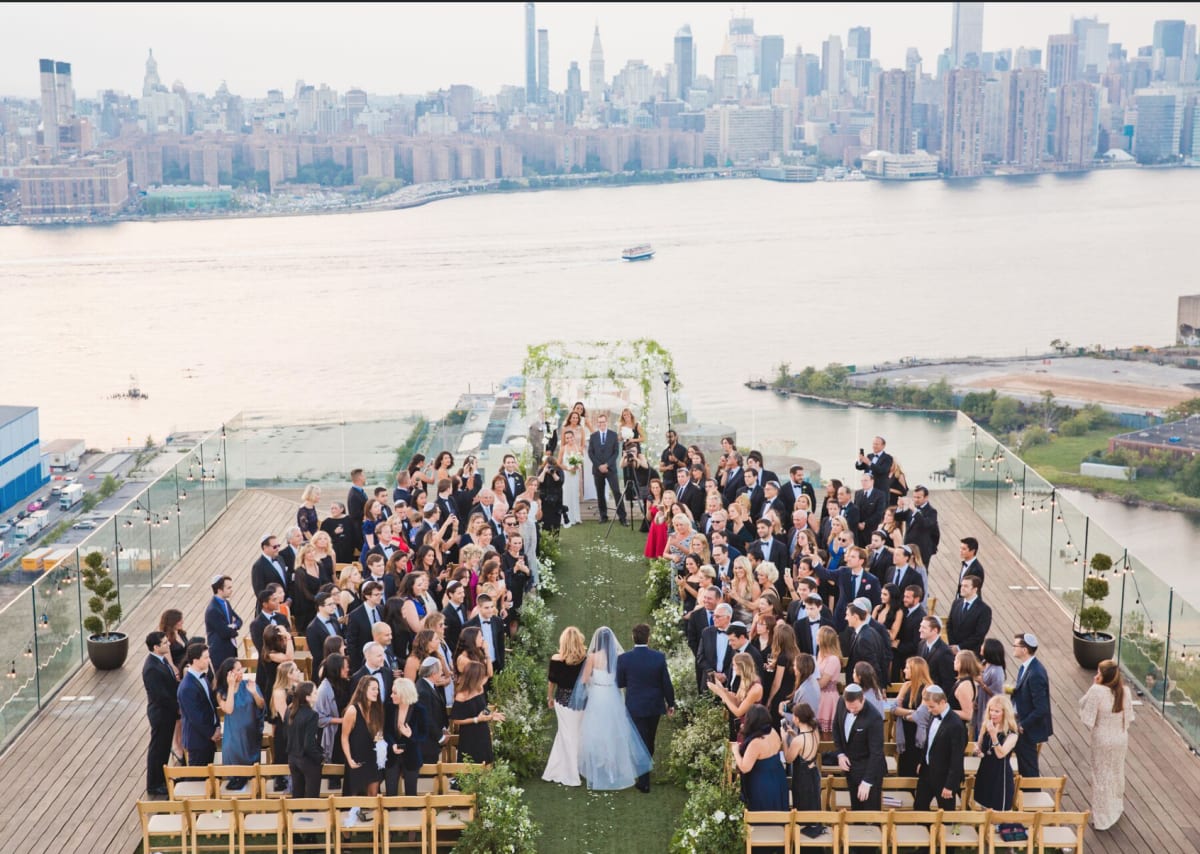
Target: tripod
(631,494)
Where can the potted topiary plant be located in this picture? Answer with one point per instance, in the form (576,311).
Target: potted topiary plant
(1092,643)
(106,648)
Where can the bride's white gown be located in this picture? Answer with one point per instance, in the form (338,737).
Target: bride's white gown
(572,485)
(611,753)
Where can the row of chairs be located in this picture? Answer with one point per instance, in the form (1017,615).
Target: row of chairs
(1031,794)
(423,824)
(935,832)
(216,781)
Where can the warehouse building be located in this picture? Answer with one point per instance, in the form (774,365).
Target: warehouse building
(21,470)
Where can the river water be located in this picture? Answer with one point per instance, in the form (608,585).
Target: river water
(405,309)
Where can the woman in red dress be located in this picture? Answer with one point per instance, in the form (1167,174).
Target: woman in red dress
(656,539)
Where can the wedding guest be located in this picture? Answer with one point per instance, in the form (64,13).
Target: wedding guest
(405,729)
(966,686)
(829,667)
(995,744)
(991,681)
(801,743)
(333,695)
(362,727)
(745,691)
(564,670)
(160,679)
(287,679)
(472,715)
(241,703)
(306,515)
(756,756)
(1106,711)
(907,712)
(1031,700)
(304,743)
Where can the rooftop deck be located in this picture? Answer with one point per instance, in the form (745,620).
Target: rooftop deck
(76,772)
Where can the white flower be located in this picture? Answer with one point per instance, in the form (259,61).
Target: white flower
(719,815)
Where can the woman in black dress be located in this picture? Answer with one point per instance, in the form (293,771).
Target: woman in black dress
(362,726)
(171,625)
(287,678)
(472,716)
(916,680)
(276,649)
(306,584)
(781,671)
(997,741)
(801,744)
(306,515)
(405,729)
(304,746)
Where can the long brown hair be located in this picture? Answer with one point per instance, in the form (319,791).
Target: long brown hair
(1110,678)
(171,620)
(372,712)
(918,678)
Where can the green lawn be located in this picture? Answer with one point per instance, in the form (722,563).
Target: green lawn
(603,584)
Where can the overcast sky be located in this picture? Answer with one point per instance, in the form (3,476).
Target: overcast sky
(414,48)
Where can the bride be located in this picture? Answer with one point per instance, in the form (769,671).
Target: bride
(572,449)
(611,753)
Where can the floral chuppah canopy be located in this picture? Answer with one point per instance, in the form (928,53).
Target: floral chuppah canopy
(606,375)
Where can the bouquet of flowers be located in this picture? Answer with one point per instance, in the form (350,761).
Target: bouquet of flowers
(574,461)
(626,433)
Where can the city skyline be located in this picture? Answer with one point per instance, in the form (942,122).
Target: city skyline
(488,50)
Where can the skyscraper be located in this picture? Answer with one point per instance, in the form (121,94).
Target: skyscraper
(1091,47)
(543,82)
(771,52)
(1025,134)
(1168,37)
(1159,122)
(744,45)
(573,103)
(832,65)
(151,82)
(685,67)
(49,105)
(1061,51)
(1076,136)
(596,71)
(966,47)
(725,77)
(65,101)
(531,80)
(893,122)
(962,137)
(858,58)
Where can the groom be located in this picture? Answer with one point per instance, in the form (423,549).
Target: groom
(642,672)
(604,450)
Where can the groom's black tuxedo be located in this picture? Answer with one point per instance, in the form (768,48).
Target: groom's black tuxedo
(604,448)
(642,672)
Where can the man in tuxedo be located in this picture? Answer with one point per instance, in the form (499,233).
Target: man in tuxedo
(720,536)
(294,539)
(642,672)
(455,612)
(688,494)
(870,503)
(922,521)
(854,581)
(902,572)
(936,654)
(739,641)
(162,709)
(909,638)
(485,503)
(795,487)
(356,503)
(848,510)
(799,519)
(269,568)
(433,700)
(362,620)
(721,562)
(198,707)
(674,456)
(713,651)
(712,508)
(810,624)
(1031,701)
(514,481)
(879,559)
(858,746)
(375,666)
(752,491)
(970,617)
(940,773)
(863,643)
(735,479)
(604,450)
(762,474)
(221,622)
(700,618)
(492,628)
(769,548)
(323,625)
(269,614)
(968,548)
(402,494)
(878,464)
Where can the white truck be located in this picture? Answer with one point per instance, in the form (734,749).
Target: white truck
(70,496)
(26,529)
(42,517)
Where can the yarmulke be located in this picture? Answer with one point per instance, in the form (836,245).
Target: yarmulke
(430,661)
(862,603)
(1031,640)
(853,691)
(738,628)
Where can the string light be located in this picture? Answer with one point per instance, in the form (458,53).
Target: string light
(12,670)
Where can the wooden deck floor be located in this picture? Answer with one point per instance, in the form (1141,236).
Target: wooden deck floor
(73,777)
(76,772)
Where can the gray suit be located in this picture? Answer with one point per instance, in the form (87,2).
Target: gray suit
(606,452)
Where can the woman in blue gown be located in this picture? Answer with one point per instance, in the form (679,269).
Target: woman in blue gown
(242,705)
(764,781)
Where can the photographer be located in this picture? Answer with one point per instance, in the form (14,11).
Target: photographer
(550,480)
(673,456)
(635,470)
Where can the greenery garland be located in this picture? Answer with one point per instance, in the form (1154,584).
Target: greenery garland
(502,823)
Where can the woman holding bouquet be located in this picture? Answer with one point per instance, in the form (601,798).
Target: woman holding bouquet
(570,457)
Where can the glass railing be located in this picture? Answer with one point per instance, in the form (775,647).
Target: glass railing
(1157,632)
(42,639)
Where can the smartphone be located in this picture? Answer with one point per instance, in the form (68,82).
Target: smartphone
(861,452)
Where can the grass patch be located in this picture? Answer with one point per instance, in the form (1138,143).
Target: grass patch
(603,584)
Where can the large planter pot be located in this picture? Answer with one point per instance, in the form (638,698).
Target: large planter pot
(1092,648)
(108,652)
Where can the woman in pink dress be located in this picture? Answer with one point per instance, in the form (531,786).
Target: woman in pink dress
(829,665)
(656,539)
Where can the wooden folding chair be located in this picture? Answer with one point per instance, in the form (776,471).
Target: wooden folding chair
(185,781)
(261,817)
(352,825)
(962,829)
(332,774)
(248,650)
(831,829)
(447,772)
(309,817)
(768,829)
(211,817)
(866,828)
(405,817)
(995,842)
(223,775)
(165,821)
(449,815)
(915,830)
(1032,797)
(1061,831)
(837,792)
(267,775)
(890,757)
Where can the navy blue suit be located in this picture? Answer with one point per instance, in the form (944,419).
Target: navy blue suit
(869,588)
(222,638)
(199,719)
(642,672)
(1031,700)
